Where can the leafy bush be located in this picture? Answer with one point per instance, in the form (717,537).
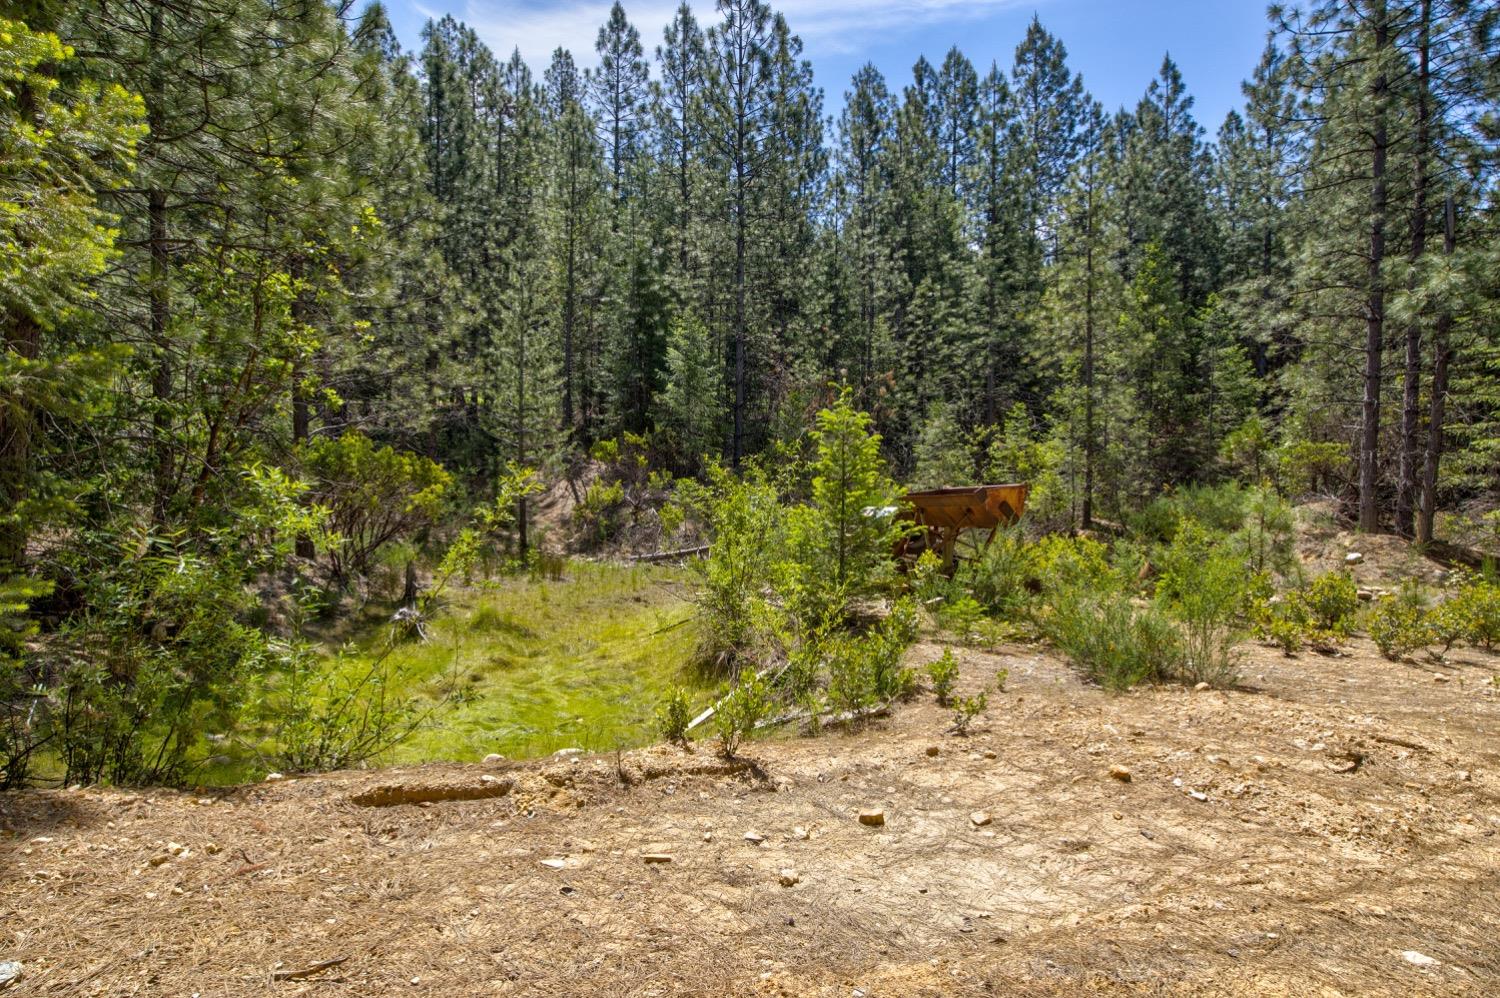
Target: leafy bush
(966,709)
(943,672)
(1116,643)
(747,522)
(674,715)
(1398,624)
(865,670)
(962,618)
(1002,676)
(1332,601)
(159,653)
(1204,588)
(1475,612)
(372,496)
(743,706)
(22,732)
(1268,534)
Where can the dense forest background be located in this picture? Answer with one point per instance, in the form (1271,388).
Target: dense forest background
(277,293)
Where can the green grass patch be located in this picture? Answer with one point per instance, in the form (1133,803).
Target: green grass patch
(525,667)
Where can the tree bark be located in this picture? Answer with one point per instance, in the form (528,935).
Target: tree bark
(1442,358)
(1369,443)
(1411,387)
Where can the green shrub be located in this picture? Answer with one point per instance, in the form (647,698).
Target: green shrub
(962,618)
(942,673)
(865,670)
(1002,578)
(674,715)
(1204,588)
(1477,609)
(1398,623)
(966,709)
(747,522)
(742,706)
(1116,643)
(372,496)
(1332,602)
(1002,676)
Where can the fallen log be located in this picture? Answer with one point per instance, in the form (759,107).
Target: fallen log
(696,552)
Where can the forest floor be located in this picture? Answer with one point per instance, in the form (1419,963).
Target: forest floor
(1328,827)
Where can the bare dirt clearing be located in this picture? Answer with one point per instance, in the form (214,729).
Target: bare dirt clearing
(1318,831)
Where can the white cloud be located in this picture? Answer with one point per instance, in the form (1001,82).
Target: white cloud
(538,27)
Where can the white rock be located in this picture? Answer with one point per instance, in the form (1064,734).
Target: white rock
(1201,687)
(494,758)
(789,878)
(801,834)
(567,753)
(10,973)
(754,838)
(273,777)
(1353,558)
(1198,795)
(1416,959)
(980,818)
(554,864)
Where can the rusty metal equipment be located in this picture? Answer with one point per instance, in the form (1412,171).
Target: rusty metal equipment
(944,515)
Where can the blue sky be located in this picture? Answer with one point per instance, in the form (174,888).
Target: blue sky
(1116,44)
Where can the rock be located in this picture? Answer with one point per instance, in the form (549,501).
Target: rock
(980,818)
(1201,687)
(1120,773)
(554,864)
(159,859)
(933,750)
(177,849)
(754,838)
(1438,677)
(990,754)
(1463,776)
(801,834)
(273,777)
(567,753)
(10,973)
(708,836)
(1353,558)
(487,778)
(657,857)
(872,816)
(1198,795)
(1416,959)
(789,878)
(494,759)
(1365,595)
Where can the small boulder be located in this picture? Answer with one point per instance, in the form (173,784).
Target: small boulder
(1201,687)
(273,777)
(754,838)
(494,759)
(10,973)
(554,864)
(872,816)
(789,878)
(1120,773)
(980,818)
(1198,795)
(1353,558)
(1416,959)
(932,750)
(567,753)
(801,834)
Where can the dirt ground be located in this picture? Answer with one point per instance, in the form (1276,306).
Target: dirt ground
(1314,832)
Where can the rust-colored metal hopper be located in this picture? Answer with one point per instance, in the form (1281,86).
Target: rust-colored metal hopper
(945,515)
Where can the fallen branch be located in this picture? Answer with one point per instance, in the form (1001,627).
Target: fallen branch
(696,552)
(879,710)
(709,712)
(1387,739)
(308,971)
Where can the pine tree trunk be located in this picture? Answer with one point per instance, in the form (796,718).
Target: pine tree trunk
(23,338)
(1411,393)
(1442,358)
(1369,443)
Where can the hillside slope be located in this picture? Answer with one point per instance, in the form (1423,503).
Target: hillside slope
(1296,835)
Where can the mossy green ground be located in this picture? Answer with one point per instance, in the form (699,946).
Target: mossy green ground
(525,667)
